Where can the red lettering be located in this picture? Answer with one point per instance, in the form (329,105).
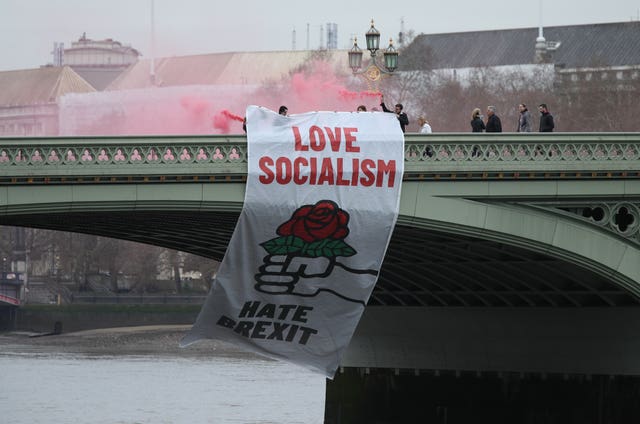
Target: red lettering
(349,139)
(334,139)
(283,170)
(326,173)
(355,171)
(369,177)
(298,174)
(386,168)
(313,174)
(339,179)
(264,163)
(299,147)
(316,139)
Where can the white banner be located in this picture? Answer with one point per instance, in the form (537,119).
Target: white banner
(321,202)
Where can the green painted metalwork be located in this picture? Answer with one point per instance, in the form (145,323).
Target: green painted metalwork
(541,199)
(122,156)
(434,156)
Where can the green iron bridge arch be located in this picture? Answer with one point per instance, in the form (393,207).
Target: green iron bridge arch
(498,235)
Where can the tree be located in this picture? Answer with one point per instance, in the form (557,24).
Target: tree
(206,267)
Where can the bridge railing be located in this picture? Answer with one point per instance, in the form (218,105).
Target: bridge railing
(140,299)
(9,299)
(224,158)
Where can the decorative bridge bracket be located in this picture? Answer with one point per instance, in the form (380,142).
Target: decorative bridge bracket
(619,217)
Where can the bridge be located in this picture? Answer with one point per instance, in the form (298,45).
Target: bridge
(512,252)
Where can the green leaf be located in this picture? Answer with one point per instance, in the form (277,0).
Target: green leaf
(283,245)
(327,248)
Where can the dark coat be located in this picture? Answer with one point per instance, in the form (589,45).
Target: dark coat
(477,125)
(402,117)
(494,124)
(546,122)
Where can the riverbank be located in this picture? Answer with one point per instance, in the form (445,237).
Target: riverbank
(156,340)
(78,317)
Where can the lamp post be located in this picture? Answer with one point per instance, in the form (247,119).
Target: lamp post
(374,72)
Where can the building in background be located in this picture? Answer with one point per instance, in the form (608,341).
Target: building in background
(99,62)
(589,74)
(332,36)
(234,68)
(576,53)
(594,58)
(29,99)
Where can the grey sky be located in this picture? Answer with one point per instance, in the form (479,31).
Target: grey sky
(30,27)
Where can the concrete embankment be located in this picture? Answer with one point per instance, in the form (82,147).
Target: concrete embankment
(44,318)
(111,330)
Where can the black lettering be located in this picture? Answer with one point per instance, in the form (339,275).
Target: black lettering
(243,328)
(268,310)
(278,330)
(258,330)
(249,309)
(285,311)
(225,321)
(292,333)
(301,313)
(306,333)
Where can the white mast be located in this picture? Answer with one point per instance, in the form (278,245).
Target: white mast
(541,55)
(152,70)
(293,39)
(540,32)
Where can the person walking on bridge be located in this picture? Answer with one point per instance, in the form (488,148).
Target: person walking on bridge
(493,121)
(524,119)
(546,119)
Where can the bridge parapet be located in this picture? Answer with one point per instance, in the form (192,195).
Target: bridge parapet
(50,160)
(522,156)
(432,156)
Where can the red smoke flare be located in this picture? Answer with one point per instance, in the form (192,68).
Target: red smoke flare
(222,120)
(230,115)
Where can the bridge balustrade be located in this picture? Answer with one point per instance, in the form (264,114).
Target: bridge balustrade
(224,158)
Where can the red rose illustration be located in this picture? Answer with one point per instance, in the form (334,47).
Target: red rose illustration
(321,221)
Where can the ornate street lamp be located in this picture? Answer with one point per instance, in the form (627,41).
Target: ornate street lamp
(355,57)
(373,39)
(374,71)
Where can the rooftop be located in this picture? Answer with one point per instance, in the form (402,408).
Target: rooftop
(591,45)
(239,68)
(41,85)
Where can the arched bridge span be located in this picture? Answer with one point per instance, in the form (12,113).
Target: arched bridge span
(492,228)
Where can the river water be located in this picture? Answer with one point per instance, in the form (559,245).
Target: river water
(71,388)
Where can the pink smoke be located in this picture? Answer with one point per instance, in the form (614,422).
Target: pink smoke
(222,120)
(196,109)
(194,105)
(222,123)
